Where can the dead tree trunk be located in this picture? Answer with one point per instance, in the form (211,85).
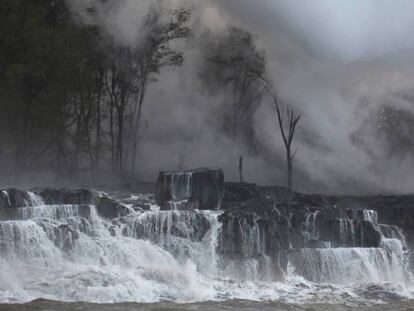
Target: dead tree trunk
(288,120)
(289,158)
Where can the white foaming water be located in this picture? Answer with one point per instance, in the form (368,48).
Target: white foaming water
(371,216)
(34,199)
(98,266)
(393,232)
(178,205)
(70,253)
(353,265)
(58,212)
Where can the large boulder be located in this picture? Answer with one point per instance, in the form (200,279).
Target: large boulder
(199,189)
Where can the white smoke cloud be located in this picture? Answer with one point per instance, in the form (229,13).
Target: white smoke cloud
(347,30)
(324,58)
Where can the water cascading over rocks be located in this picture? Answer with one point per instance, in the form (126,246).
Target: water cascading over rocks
(134,251)
(193,189)
(351,265)
(310,236)
(116,248)
(348,227)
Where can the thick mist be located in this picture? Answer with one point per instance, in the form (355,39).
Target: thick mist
(337,64)
(340,64)
(348,68)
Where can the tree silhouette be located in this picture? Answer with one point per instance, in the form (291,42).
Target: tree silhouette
(288,120)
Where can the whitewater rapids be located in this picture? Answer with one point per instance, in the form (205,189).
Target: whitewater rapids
(69,253)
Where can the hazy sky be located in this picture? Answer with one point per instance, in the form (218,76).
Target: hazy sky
(348,30)
(336,62)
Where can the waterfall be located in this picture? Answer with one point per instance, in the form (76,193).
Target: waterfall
(393,232)
(311,231)
(370,215)
(340,228)
(74,252)
(351,265)
(185,234)
(347,233)
(144,256)
(244,251)
(243,237)
(350,262)
(58,212)
(181,186)
(26,240)
(34,199)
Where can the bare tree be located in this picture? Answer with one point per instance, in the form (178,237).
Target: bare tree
(288,119)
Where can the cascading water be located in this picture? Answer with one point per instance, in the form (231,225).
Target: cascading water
(243,242)
(181,185)
(72,253)
(140,257)
(370,215)
(393,232)
(34,199)
(351,265)
(180,190)
(310,231)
